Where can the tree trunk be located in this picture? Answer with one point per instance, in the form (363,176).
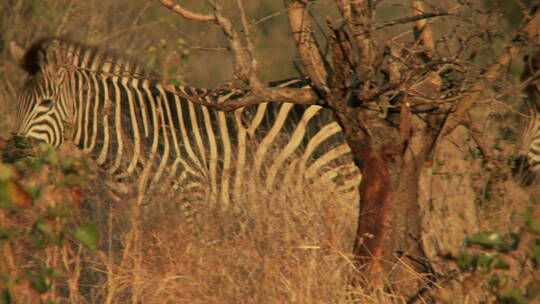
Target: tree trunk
(388,245)
(389,233)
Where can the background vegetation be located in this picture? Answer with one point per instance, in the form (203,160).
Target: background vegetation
(65,238)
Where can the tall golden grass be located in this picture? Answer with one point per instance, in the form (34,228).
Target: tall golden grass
(275,246)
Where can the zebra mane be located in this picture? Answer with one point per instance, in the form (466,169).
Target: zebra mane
(79,56)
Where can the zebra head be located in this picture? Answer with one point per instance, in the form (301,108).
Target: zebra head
(42,101)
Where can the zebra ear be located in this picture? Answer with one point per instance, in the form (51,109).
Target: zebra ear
(32,59)
(16,51)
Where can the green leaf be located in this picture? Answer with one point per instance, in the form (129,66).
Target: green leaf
(534,226)
(465,261)
(496,281)
(53,273)
(72,179)
(9,233)
(511,295)
(13,196)
(486,239)
(62,211)
(50,235)
(37,281)
(88,235)
(485,260)
(66,163)
(51,156)
(499,263)
(527,215)
(535,253)
(44,228)
(35,191)
(35,240)
(5,198)
(512,241)
(7,171)
(5,297)
(532,290)
(532,223)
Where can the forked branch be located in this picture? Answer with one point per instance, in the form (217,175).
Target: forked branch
(244,62)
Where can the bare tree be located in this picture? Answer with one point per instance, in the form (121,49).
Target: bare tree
(395,100)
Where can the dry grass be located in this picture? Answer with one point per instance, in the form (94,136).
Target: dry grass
(270,250)
(273,247)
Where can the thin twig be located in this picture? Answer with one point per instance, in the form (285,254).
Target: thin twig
(266,18)
(187,13)
(208,49)
(139,15)
(247,36)
(478,138)
(411,19)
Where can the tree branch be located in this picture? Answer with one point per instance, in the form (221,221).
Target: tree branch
(422,31)
(230,102)
(417,17)
(244,62)
(250,49)
(306,44)
(187,13)
(529,32)
(361,26)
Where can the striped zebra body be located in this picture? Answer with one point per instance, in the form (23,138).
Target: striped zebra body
(530,148)
(529,153)
(141,133)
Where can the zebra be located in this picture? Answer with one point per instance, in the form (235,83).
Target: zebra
(529,158)
(533,139)
(140,132)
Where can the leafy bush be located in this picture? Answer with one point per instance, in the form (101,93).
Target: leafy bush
(40,194)
(504,266)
